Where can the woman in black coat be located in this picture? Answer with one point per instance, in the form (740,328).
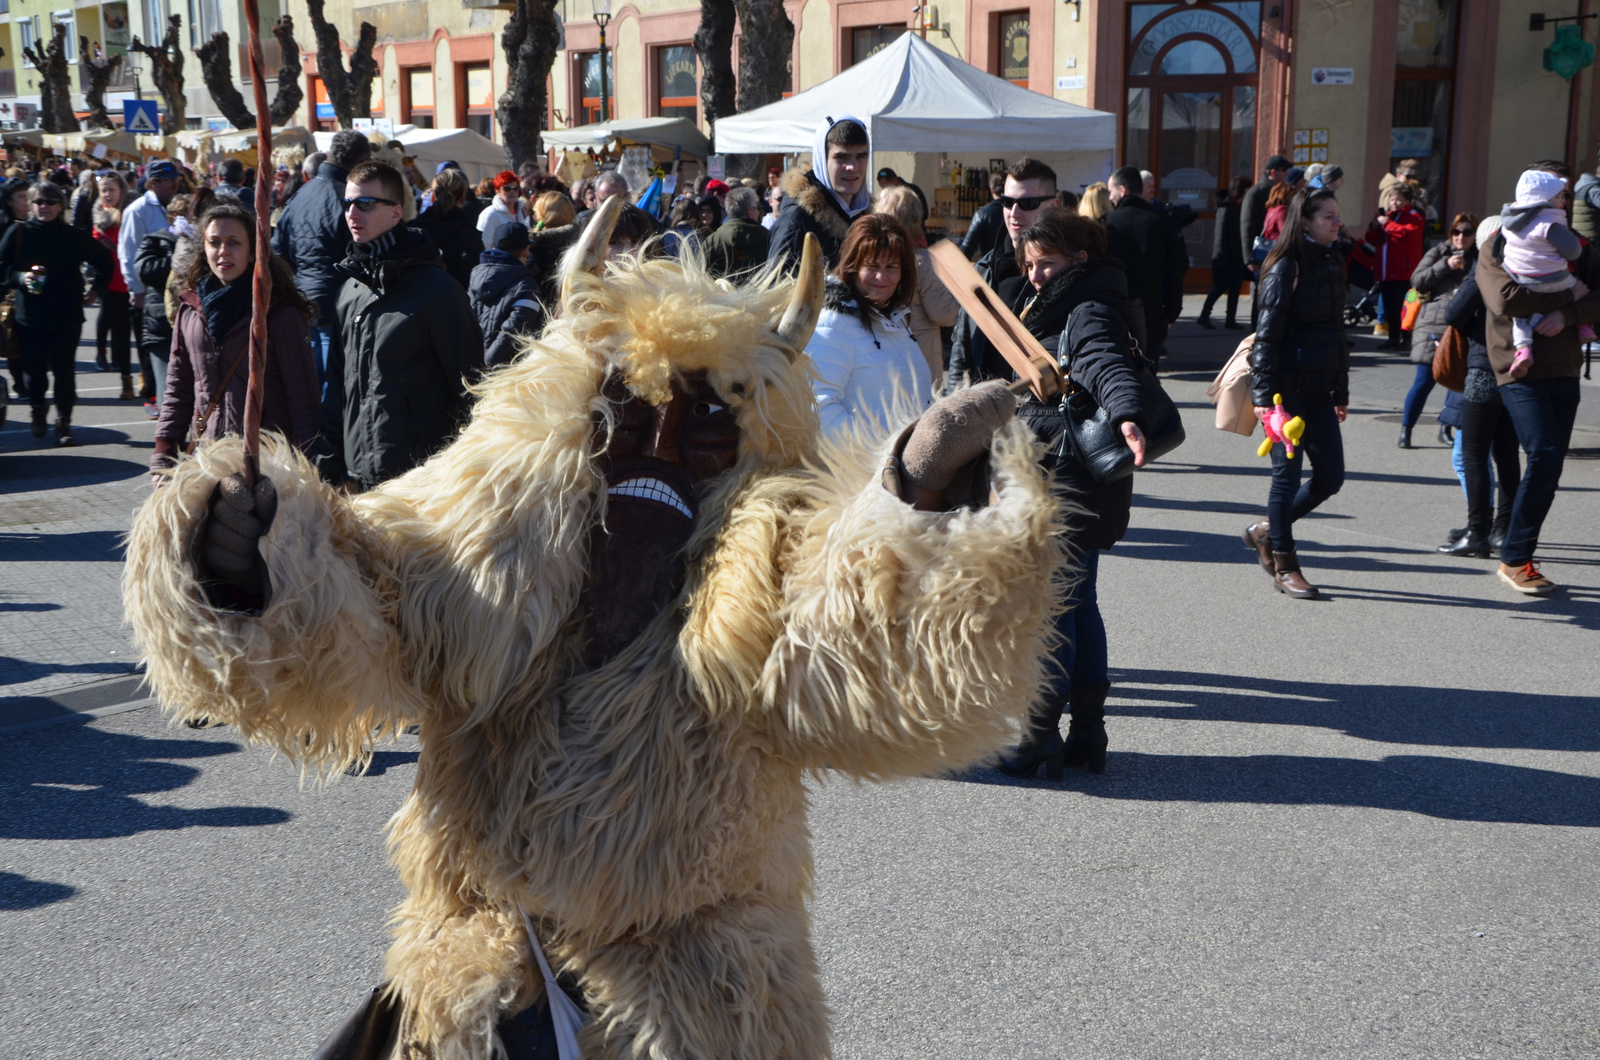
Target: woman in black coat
(1303,355)
(1485,432)
(43,260)
(452,228)
(1076,302)
(1227,257)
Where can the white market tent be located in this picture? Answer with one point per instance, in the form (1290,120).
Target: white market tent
(661,135)
(917,98)
(478,156)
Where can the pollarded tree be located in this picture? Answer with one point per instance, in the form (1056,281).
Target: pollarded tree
(55,82)
(166,70)
(530,41)
(216,66)
(713,43)
(97,75)
(350,91)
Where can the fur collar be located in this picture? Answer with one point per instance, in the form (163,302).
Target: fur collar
(809,195)
(105,217)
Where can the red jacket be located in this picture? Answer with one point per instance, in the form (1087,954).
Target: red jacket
(1397,245)
(291,400)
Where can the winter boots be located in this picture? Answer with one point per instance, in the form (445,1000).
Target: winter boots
(1287,579)
(1041,743)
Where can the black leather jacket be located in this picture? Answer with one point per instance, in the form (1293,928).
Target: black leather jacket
(1301,346)
(1087,320)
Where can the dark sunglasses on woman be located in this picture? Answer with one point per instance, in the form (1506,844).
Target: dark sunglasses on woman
(367,203)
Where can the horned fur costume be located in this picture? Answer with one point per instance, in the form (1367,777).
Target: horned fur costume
(649,812)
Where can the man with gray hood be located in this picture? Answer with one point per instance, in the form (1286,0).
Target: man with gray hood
(827,199)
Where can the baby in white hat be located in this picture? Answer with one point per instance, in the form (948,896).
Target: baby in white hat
(1538,246)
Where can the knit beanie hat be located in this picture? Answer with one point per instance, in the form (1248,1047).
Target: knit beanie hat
(1538,186)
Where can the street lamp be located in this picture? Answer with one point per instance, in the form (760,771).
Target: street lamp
(131,58)
(602,15)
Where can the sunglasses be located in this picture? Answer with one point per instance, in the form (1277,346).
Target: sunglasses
(46,202)
(1463,232)
(1031,202)
(367,203)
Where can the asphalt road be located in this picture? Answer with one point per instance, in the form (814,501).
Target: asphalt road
(1360,827)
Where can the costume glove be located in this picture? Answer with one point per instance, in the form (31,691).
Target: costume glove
(954,432)
(230,551)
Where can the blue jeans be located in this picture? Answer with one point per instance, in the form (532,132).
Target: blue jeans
(1543,411)
(1290,499)
(324,339)
(1081,657)
(1417,396)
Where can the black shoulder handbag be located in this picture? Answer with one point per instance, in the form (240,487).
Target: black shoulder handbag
(1097,443)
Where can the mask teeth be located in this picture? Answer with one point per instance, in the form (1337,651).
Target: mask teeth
(651,489)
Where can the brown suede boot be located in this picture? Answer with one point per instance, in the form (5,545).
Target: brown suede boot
(127,387)
(1287,579)
(1259,537)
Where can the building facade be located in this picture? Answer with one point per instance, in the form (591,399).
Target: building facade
(1203,90)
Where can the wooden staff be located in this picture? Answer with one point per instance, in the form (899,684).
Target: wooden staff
(1036,370)
(260,289)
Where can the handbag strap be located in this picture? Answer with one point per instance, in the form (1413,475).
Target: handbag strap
(564,1014)
(200,421)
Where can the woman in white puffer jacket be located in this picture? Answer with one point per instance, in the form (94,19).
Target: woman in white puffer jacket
(866,360)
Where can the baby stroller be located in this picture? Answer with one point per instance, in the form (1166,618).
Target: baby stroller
(1363,311)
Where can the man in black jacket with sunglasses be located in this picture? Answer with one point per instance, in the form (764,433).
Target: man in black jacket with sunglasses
(409,344)
(1030,188)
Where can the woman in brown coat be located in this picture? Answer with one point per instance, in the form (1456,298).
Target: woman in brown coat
(208,369)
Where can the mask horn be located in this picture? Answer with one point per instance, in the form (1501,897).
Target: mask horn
(588,254)
(800,314)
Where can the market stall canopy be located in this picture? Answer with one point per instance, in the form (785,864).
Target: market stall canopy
(477,155)
(287,142)
(116,143)
(915,97)
(656,133)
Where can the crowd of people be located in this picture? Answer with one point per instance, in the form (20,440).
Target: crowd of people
(389,299)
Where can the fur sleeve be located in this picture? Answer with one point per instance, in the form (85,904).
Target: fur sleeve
(909,640)
(318,674)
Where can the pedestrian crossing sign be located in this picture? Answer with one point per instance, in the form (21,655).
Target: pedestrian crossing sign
(140,116)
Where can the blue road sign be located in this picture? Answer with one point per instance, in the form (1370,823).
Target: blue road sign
(140,116)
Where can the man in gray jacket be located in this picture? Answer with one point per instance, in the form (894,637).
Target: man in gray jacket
(409,343)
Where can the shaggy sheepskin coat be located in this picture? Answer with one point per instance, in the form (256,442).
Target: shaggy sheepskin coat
(649,814)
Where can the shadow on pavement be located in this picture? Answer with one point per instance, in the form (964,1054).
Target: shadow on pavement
(62,470)
(84,546)
(19,892)
(87,786)
(383,761)
(1401,714)
(1449,788)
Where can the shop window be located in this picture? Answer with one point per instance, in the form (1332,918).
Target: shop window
(476,99)
(589,103)
(867,41)
(677,85)
(28,34)
(1011,37)
(416,103)
(1190,116)
(1424,87)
